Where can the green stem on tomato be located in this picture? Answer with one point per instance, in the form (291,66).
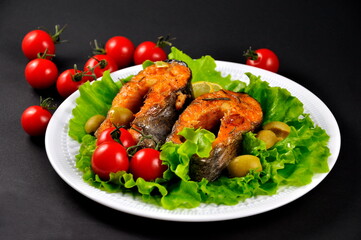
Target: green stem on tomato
(250,54)
(164,41)
(98,48)
(45,54)
(47,103)
(58,31)
(102,64)
(133,149)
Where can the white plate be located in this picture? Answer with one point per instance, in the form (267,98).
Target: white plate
(61,150)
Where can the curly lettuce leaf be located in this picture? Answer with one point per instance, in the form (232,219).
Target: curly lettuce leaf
(169,192)
(95,98)
(118,182)
(182,194)
(204,69)
(277,103)
(294,160)
(177,156)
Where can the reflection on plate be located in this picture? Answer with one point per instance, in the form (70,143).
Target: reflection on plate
(61,150)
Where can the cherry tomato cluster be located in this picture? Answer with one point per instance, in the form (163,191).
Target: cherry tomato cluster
(119,52)
(124,52)
(40,72)
(39,46)
(111,155)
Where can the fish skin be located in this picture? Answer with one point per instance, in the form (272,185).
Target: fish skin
(156,96)
(234,113)
(158,120)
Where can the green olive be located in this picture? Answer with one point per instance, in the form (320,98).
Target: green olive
(120,116)
(240,166)
(93,123)
(281,129)
(268,137)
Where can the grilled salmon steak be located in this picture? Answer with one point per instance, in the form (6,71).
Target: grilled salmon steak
(227,113)
(156,96)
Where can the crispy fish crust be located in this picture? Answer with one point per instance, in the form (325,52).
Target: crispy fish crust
(156,95)
(234,114)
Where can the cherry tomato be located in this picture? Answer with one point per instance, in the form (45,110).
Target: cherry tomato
(146,164)
(109,157)
(70,80)
(41,73)
(149,51)
(37,41)
(262,58)
(100,63)
(121,49)
(35,119)
(125,137)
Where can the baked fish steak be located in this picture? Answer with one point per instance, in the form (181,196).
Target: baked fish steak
(156,96)
(230,115)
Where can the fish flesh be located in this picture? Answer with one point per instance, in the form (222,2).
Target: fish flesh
(229,115)
(156,96)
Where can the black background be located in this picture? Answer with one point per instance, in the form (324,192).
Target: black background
(318,43)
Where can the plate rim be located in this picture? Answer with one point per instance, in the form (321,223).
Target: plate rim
(54,153)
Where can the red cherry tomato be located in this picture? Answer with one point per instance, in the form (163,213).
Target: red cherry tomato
(125,137)
(35,119)
(109,157)
(262,58)
(70,80)
(121,49)
(41,73)
(149,51)
(146,164)
(37,41)
(100,63)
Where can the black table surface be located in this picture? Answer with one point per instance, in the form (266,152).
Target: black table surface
(318,43)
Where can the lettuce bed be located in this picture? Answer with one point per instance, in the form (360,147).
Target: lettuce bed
(292,161)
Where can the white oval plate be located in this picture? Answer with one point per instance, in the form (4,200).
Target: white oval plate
(61,150)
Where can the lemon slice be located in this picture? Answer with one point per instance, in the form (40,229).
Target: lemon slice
(215,87)
(200,88)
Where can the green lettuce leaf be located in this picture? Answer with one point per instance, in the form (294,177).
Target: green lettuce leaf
(182,194)
(95,98)
(277,103)
(204,69)
(294,160)
(177,156)
(172,192)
